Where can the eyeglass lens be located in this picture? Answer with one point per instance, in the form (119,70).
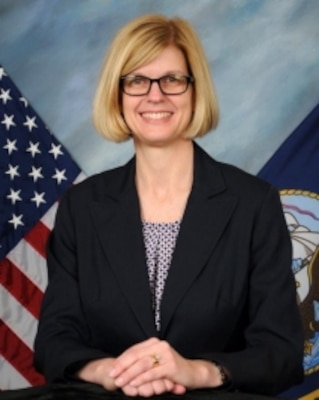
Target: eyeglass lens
(141,85)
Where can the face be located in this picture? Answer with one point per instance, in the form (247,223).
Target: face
(155,118)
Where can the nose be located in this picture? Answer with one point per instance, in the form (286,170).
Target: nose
(155,91)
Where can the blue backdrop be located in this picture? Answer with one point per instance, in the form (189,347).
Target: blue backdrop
(264,56)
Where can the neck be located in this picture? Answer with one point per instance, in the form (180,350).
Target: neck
(163,170)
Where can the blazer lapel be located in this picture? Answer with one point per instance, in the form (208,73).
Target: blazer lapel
(118,226)
(206,216)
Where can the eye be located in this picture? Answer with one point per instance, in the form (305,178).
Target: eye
(173,79)
(136,80)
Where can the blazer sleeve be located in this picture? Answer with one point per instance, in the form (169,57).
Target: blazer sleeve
(272,358)
(63,337)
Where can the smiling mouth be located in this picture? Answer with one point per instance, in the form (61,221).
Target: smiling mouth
(156,115)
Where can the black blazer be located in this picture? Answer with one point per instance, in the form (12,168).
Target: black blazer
(230,293)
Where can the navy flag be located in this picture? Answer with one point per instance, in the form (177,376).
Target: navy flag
(294,170)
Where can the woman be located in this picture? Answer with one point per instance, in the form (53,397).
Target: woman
(172,272)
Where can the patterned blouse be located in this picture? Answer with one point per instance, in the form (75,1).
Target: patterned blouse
(159,241)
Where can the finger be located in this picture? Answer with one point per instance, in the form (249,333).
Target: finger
(169,385)
(158,387)
(155,366)
(178,389)
(150,374)
(168,364)
(139,348)
(136,372)
(146,390)
(152,388)
(130,391)
(131,355)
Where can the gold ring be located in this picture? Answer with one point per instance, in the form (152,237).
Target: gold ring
(156,359)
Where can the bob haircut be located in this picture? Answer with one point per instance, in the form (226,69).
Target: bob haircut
(138,43)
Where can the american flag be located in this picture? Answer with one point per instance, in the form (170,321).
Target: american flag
(35,171)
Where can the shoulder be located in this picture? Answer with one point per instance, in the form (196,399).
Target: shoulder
(253,193)
(231,178)
(239,179)
(102,185)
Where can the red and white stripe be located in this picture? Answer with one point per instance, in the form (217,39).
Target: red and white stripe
(23,279)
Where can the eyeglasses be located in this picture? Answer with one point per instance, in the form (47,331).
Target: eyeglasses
(138,85)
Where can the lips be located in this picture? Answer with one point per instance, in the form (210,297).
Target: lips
(156,115)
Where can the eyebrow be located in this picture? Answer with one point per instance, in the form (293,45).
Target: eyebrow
(174,72)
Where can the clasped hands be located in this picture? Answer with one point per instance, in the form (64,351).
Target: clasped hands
(149,368)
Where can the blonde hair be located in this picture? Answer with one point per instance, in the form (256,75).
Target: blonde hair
(137,44)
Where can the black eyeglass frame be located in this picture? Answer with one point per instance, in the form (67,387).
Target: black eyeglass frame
(189,80)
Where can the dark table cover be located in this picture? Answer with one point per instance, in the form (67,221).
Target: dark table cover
(93,392)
